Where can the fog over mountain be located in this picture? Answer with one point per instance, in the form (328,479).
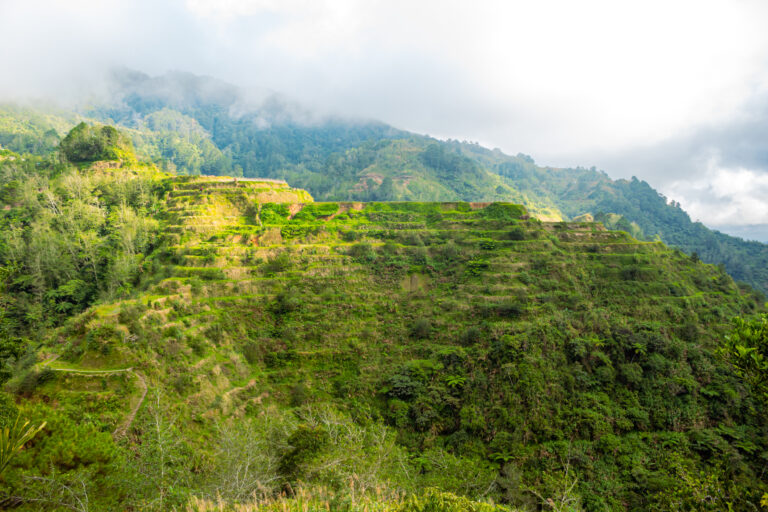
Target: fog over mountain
(619,87)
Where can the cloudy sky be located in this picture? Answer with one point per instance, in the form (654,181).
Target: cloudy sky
(674,91)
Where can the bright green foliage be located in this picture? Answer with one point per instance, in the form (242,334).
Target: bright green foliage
(84,144)
(178,142)
(26,130)
(747,349)
(202,129)
(13,438)
(618,222)
(405,345)
(320,500)
(67,240)
(696,489)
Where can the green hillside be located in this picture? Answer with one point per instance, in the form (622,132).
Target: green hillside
(580,191)
(200,342)
(197,125)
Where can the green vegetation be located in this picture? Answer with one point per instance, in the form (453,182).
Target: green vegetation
(579,191)
(431,500)
(27,130)
(747,349)
(195,125)
(200,342)
(86,144)
(13,438)
(68,238)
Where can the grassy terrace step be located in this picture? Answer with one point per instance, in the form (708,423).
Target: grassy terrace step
(197,216)
(208,185)
(226,191)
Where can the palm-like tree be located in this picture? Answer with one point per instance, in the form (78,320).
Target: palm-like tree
(13,438)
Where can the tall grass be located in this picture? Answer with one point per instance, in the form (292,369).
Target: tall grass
(324,500)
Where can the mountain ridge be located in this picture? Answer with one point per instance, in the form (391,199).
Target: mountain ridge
(362,160)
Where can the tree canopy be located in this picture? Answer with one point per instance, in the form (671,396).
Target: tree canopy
(86,143)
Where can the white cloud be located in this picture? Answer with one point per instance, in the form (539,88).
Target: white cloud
(228,9)
(724,196)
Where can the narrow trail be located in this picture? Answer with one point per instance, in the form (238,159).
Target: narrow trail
(90,372)
(47,363)
(229,393)
(49,360)
(225,398)
(122,429)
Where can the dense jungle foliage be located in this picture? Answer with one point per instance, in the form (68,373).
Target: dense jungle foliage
(86,144)
(200,343)
(197,125)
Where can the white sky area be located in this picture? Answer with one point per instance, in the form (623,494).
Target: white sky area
(723,195)
(626,86)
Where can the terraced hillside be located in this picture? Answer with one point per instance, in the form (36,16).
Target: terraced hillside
(193,132)
(387,347)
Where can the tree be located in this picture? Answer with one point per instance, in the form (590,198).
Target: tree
(13,438)
(746,348)
(90,143)
(163,461)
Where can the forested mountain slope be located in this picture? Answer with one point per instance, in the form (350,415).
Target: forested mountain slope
(198,125)
(580,191)
(191,341)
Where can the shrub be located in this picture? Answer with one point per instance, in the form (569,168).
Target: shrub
(299,394)
(350,236)
(418,255)
(503,211)
(450,251)
(290,231)
(362,252)
(306,442)
(477,267)
(103,338)
(252,352)
(130,314)
(390,249)
(402,386)
(516,233)
(274,213)
(470,336)
(287,301)
(278,263)
(8,410)
(197,344)
(488,244)
(631,373)
(173,331)
(210,274)
(182,383)
(32,379)
(422,329)
(636,273)
(452,356)
(506,309)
